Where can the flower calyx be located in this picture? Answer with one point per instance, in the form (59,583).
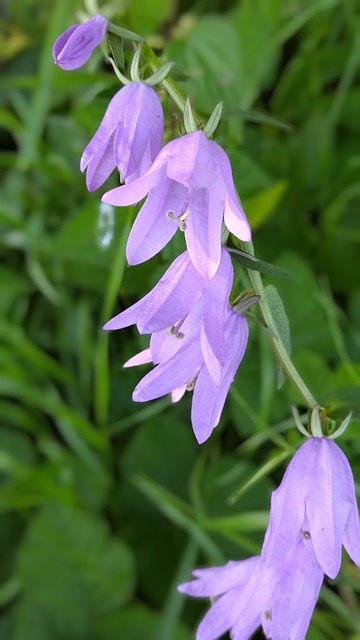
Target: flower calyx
(319,425)
(244,301)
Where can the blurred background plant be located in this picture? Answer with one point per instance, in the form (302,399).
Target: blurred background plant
(105,506)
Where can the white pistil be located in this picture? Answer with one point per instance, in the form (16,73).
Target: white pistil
(179,219)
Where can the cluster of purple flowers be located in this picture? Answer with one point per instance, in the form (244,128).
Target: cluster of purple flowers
(198,340)
(313,512)
(197,343)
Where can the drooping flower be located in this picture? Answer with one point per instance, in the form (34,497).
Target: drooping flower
(170,301)
(129,136)
(191,184)
(248,594)
(317,499)
(75,46)
(181,366)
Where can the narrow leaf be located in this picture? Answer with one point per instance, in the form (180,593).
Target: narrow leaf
(281,322)
(250,262)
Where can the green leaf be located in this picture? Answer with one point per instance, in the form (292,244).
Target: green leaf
(180,513)
(209,51)
(136,623)
(146,17)
(260,207)
(282,323)
(69,557)
(264,471)
(117,50)
(250,262)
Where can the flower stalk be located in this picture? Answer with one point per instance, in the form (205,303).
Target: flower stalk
(279,346)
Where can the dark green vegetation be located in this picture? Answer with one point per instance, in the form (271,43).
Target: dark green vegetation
(106,505)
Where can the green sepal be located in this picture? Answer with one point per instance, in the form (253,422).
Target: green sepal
(118,73)
(159,75)
(134,69)
(189,120)
(214,120)
(123,33)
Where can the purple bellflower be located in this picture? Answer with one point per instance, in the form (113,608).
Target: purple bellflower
(75,46)
(316,499)
(129,136)
(181,366)
(190,185)
(170,301)
(248,594)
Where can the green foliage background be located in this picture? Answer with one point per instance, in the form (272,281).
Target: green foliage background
(105,506)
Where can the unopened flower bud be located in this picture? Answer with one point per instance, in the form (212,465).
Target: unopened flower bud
(75,46)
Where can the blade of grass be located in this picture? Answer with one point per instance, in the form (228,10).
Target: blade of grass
(42,94)
(180,513)
(101,359)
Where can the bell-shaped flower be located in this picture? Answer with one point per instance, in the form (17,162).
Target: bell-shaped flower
(248,594)
(190,185)
(129,136)
(316,498)
(169,302)
(75,46)
(181,366)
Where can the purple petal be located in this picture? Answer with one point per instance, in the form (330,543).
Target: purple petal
(215,581)
(214,307)
(234,216)
(236,221)
(222,615)
(326,509)
(127,317)
(74,47)
(143,120)
(203,229)
(344,480)
(288,505)
(178,393)
(193,161)
(144,357)
(351,537)
(292,603)
(100,167)
(163,346)
(208,400)
(152,230)
(135,191)
(170,374)
(173,297)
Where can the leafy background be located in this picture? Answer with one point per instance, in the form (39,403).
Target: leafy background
(105,506)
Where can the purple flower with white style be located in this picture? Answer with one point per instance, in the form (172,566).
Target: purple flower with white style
(129,137)
(75,46)
(181,366)
(190,185)
(248,594)
(170,301)
(316,499)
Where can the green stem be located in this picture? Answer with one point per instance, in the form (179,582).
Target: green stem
(169,85)
(154,63)
(279,346)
